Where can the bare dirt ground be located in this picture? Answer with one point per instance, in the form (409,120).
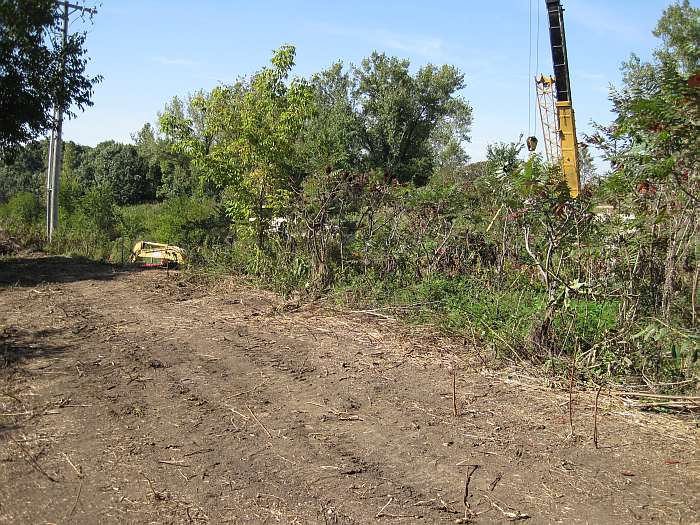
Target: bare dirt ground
(136,397)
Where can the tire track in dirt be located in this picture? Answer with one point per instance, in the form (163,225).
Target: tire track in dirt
(200,407)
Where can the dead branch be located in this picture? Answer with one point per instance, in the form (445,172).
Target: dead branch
(571,397)
(595,417)
(29,459)
(454,392)
(176,463)
(497,479)
(259,423)
(78,471)
(380,513)
(648,395)
(75,503)
(470,473)
(510,516)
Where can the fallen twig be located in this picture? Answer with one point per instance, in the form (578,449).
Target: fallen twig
(454,392)
(595,417)
(248,391)
(379,514)
(75,503)
(470,473)
(157,495)
(237,412)
(259,423)
(198,452)
(12,396)
(29,459)
(177,463)
(492,485)
(510,516)
(669,404)
(648,395)
(78,471)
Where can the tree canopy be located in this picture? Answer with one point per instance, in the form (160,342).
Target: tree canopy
(36,72)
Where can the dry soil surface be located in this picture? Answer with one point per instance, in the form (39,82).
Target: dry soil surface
(136,397)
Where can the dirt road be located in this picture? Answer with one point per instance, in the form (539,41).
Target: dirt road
(138,398)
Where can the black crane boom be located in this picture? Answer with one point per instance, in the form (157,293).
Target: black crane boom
(558,43)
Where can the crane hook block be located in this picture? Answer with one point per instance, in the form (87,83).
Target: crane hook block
(531,143)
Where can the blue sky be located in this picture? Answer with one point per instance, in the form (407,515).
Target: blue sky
(150,50)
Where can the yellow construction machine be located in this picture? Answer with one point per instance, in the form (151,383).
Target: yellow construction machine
(155,254)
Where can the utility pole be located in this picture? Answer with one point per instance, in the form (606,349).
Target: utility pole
(55,160)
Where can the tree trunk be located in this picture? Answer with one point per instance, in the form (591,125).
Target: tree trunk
(669,274)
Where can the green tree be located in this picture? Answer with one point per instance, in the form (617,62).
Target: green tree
(120,168)
(654,149)
(153,152)
(331,135)
(254,126)
(400,113)
(183,136)
(679,31)
(25,172)
(36,74)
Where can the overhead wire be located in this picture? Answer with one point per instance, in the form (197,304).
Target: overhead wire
(537,55)
(529,70)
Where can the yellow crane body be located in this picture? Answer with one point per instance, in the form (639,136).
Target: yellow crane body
(569,146)
(566,126)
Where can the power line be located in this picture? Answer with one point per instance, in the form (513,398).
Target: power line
(529,70)
(537,53)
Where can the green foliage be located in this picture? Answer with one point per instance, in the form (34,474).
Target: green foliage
(653,147)
(379,116)
(354,184)
(25,172)
(256,123)
(167,160)
(679,29)
(331,136)
(119,169)
(22,209)
(401,111)
(36,74)
(681,345)
(190,223)
(88,226)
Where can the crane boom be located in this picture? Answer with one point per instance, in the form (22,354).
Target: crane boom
(565,110)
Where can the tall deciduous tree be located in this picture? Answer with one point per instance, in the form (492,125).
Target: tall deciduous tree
(36,72)
(247,142)
(400,112)
(119,169)
(332,134)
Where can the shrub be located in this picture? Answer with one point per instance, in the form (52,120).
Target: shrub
(22,209)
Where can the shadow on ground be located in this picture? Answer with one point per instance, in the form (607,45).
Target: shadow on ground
(30,271)
(17,348)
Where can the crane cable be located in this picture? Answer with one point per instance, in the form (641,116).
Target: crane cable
(537,54)
(532,121)
(529,70)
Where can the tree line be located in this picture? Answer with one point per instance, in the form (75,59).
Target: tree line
(353,184)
